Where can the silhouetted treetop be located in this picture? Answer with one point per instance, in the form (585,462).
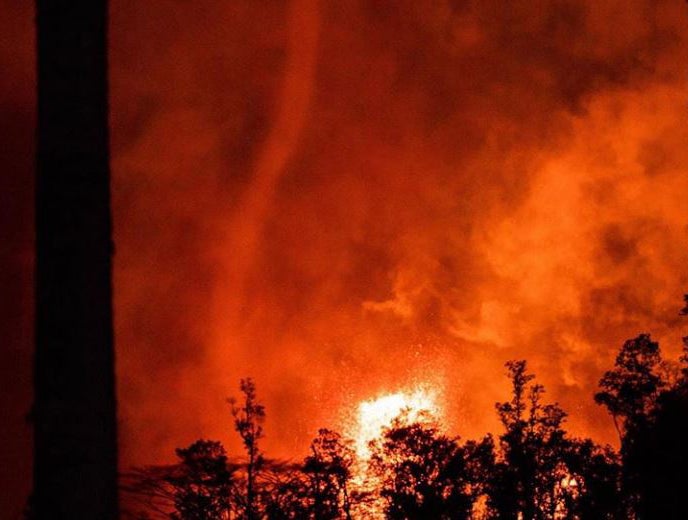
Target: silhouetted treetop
(328,470)
(533,470)
(630,389)
(203,486)
(422,473)
(249,416)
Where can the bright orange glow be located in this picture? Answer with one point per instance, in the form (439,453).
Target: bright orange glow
(376,414)
(419,403)
(346,199)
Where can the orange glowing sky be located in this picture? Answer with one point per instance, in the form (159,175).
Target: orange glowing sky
(343,199)
(347,199)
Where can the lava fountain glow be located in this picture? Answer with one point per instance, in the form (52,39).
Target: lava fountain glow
(344,198)
(372,417)
(376,414)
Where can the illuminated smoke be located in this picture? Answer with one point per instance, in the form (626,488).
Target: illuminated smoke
(342,199)
(336,197)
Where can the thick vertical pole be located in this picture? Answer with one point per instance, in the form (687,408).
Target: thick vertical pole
(75,434)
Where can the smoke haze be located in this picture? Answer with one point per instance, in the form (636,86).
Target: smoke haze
(347,198)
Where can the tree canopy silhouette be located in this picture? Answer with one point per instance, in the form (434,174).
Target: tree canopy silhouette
(203,486)
(534,470)
(248,416)
(422,473)
(329,473)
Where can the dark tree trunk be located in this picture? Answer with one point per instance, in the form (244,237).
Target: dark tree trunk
(75,439)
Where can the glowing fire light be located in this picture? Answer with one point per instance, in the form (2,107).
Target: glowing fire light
(374,415)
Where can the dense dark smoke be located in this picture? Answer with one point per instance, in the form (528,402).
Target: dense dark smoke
(347,198)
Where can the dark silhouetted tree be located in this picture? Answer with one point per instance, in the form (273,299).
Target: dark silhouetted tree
(629,392)
(200,486)
(328,469)
(533,479)
(655,444)
(74,413)
(514,479)
(593,482)
(285,493)
(422,473)
(249,416)
(536,472)
(479,470)
(203,485)
(656,458)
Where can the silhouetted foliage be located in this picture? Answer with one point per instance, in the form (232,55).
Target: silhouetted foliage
(593,482)
(534,471)
(422,473)
(328,469)
(656,458)
(630,390)
(541,473)
(480,465)
(200,485)
(654,448)
(284,492)
(203,487)
(248,416)
(528,477)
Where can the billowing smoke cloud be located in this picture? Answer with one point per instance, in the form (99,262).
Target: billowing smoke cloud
(346,198)
(342,198)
